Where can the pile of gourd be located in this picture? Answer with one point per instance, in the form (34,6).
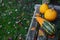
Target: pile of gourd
(49,14)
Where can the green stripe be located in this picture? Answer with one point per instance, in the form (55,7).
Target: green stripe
(46,29)
(52,27)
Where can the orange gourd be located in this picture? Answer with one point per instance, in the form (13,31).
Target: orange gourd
(50,15)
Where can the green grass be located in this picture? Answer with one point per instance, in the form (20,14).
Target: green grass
(15,17)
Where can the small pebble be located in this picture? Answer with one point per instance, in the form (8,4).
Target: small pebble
(0,26)
(17,17)
(25,27)
(2,4)
(24,7)
(27,22)
(10,12)
(16,10)
(14,25)
(9,22)
(17,22)
(20,38)
(4,14)
(8,32)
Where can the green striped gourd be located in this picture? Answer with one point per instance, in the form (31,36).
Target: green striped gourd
(47,26)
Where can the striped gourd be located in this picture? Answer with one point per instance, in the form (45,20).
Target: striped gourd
(47,26)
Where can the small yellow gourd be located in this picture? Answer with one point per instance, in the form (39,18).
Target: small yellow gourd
(43,8)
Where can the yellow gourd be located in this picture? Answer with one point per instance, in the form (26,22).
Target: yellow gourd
(50,15)
(43,8)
